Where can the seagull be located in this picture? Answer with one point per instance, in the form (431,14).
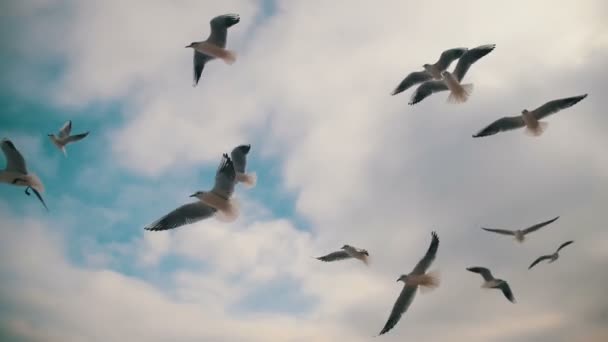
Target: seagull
(530,119)
(521,233)
(239,159)
(63,137)
(451,81)
(214,46)
(491,283)
(431,71)
(347,252)
(216,202)
(551,257)
(411,281)
(16,173)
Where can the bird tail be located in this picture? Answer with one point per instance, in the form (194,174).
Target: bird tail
(461,93)
(213,50)
(429,281)
(227,209)
(65,153)
(249,179)
(538,131)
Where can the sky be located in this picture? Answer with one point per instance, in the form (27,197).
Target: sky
(338,161)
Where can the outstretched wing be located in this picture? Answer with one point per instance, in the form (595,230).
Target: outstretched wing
(564,245)
(555,106)
(426,89)
(186,214)
(507,123)
(66,129)
(470,57)
(199,64)
(499,231)
(339,255)
(225,178)
(428,258)
(484,272)
(403,302)
(448,56)
(14,159)
(544,257)
(76,137)
(410,80)
(539,225)
(506,290)
(239,157)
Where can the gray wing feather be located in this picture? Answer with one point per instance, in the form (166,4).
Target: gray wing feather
(65,130)
(501,125)
(199,64)
(186,214)
(506,290)
(225,178)
(14,159)
(239,157)
(426,89)
(401,305)
(541,258)
(470,57)
(564,245)
(76,137)
(499,231)
(555,106)
(339,255)
(484,272)
(539,225)
(410,80)
(448,56)
(428,258)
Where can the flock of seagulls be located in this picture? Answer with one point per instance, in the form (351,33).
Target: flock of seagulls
(219,201)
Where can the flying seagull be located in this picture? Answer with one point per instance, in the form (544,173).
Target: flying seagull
(16,173)
(216,202)
(431,71)
(418,277)
(492,283)
(530,119)
(452,81)
(239,159)
(551,257)
(521,233)
(63,137)
(346,252)
(214,46)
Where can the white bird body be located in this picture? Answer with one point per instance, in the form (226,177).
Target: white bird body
(353,252)
(459,93)
(533,126)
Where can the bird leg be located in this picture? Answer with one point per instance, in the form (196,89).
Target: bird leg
(27,190)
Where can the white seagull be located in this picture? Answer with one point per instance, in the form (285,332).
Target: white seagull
(491,283)
(239,159)
(431,71)
(216,202)
(521,233)
(452,81)
(551,257)
(16,173)
(347,252)
(529,119)
(418,277)
(214,46)
(63,137)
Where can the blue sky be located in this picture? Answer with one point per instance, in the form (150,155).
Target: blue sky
(338,161)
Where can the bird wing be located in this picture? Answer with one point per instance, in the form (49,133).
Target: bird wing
(428,258)
(564,245)
(484,272)
(334,256)
(186,214)
(219,28)
(499,231)
(76,137)
(199,64)
(239,157)
(225,178)
(65,130)
(539,225)
(40,198)
(403,302)
(14,159)
(470,57)
(541,258)
(555,106)
(412,79)
(426,89)
(448,56)
(506,290)
(504,124)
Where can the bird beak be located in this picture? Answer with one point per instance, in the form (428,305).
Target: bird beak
(193,195)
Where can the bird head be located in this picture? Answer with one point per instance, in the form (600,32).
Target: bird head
(525,111)
(403,278)
(198,194)
(51,135)
(345,247)
(190,46)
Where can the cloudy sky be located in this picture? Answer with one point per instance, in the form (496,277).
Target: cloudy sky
(338,161)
